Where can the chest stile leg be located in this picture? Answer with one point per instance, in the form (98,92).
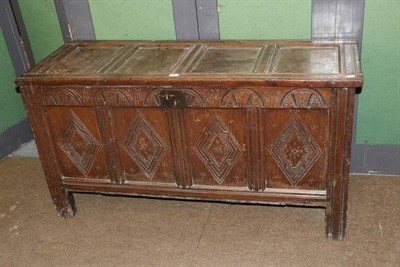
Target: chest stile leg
(63,200)
(103,113)
(337,187)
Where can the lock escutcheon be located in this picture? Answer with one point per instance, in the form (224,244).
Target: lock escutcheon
(173,99)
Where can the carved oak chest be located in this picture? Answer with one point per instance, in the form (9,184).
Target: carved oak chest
(236,121)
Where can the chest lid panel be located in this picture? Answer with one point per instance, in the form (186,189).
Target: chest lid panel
(306,61)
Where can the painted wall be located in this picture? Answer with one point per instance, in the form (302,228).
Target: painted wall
(11,108)
(379,112)
(45,36)
(379,102)
(133,19)
(130,19)
(41,23)
(258,19)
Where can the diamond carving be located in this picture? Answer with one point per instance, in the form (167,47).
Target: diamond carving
(295,150)
(78,143)
(217,148)
(144,146)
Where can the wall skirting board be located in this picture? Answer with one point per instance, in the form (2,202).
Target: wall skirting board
(14,136)
(375,159)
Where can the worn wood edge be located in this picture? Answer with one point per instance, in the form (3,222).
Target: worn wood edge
(337,186)
(346,163)
(312,198)
(281,191)
(50,58)
(271,202)
(217,81)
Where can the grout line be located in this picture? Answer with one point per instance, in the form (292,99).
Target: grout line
(201,235)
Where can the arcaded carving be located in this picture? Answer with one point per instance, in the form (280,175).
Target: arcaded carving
(212,94)
(116,97)
(86,97)
(144,145)
(194,99)
(217,148)
(303,98)
(242,98)
(295,150)
(78,143)
(62,97)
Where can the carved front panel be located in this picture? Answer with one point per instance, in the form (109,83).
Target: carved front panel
(217,141)
(77,142)
(295,152)
(144,145)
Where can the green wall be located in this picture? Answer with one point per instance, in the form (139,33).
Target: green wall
(378,118)
(378,111)
(11,108)
(41,23)
(45,36)
(269,19)
(133,19)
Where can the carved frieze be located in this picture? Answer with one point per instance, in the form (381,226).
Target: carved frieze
(116,97)
(231,98)
(242,98)
(303,98)
(194,99)
(63,97)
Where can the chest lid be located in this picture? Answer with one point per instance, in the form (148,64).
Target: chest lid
(310,63)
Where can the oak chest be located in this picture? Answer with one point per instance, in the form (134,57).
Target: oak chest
(237,121)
